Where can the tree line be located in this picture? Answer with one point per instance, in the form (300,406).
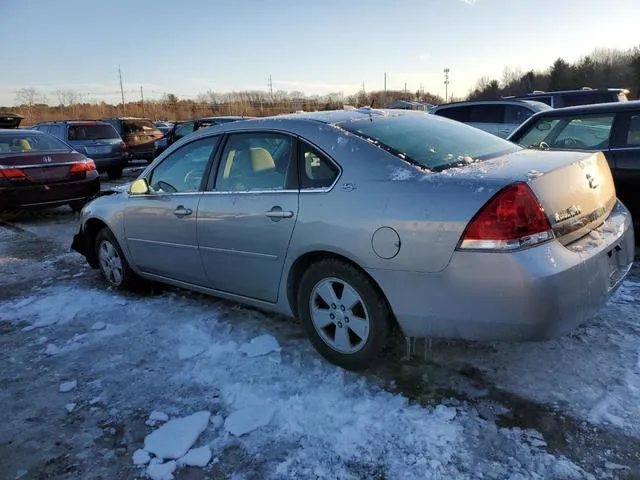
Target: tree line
(603,68)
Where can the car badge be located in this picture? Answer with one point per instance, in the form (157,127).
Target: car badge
(47,159)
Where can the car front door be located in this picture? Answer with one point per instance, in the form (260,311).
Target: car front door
(626,153)
(160,226)
(247,216)
(488,117)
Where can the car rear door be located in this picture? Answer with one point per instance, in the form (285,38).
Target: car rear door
(160,227)
(488,117)
(625,150)
(247,216)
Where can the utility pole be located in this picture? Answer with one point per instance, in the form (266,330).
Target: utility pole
(124,112)
(363,90)
(141,100)
(446,84)
(385,82)
(405,88)
(270,87)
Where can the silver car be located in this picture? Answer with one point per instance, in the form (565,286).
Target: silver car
(358,221)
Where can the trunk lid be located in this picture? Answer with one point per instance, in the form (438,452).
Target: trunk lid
(575,189)
(42,167)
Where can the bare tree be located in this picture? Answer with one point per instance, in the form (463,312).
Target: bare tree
(27,96)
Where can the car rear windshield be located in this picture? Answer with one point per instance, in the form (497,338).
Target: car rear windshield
(430,141)
(31,143)
(139,126)
(98,131)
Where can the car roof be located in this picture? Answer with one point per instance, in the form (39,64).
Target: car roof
(75,122)
(593,108)
(574,90)
(224,117)
(13,131)
(509,101)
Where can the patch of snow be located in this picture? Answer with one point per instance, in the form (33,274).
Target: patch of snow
(70,407)
(52,350)
(98,326)
(196,457)
(140,457)
(248,419)
(67,386)
(534,174)
(615,466)
(175,438)
(217,421)
(158,416)
(262,345)
(479,189)
(401,174)
(190,351)
(161,471)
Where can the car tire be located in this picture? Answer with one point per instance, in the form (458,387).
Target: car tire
(344,314)
(77,205)
(113,265)
(114,173)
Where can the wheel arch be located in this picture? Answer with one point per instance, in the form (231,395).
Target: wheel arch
(304,261)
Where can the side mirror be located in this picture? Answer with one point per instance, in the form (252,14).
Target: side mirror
(139,187)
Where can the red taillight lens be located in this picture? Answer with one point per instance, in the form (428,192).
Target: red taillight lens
(123,147)
(85,166)
(512,219)
(12,173)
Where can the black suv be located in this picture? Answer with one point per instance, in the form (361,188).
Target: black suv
(139,134)
(572,98)
(97,140)
(613,128)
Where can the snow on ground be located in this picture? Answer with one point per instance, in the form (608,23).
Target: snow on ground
(273,406)
(299,418)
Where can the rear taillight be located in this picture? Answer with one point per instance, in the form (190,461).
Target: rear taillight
(85,166)
(12,173)
(512,219)
(123,147)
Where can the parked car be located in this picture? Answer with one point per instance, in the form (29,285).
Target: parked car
(182,129)
(500,117)
(355,221)
(613,128)
(98,140)
(139,134)
(164,127)
(572,98)
(10,120)
(38,170)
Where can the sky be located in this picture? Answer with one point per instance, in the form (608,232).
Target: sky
(317,47)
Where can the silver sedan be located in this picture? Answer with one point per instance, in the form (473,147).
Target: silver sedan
(358,221)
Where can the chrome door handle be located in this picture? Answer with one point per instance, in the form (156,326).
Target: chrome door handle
(277,213)
(181,211)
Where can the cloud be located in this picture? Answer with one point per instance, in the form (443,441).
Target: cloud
(424,56)
(469,2)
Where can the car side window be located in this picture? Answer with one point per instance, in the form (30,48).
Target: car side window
(460,114)
(316,170)
(487,114)
(584,132)
(516,114)
(255,161)
(633,136)
(184,130)
(183,170)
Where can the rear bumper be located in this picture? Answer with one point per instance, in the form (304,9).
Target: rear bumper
(533,294)
(146,151)
(110,162)
(48,195)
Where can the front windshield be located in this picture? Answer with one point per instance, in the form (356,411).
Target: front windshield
(430,141)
